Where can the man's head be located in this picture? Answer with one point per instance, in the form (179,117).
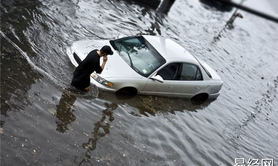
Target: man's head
(106,50)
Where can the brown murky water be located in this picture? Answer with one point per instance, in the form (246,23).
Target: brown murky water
(44,123)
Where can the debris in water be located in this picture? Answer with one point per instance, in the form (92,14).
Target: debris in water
(52,111)
(86,134)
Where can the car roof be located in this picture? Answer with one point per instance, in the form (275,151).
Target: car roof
(170,50)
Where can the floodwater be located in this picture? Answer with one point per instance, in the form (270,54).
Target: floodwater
(44,123)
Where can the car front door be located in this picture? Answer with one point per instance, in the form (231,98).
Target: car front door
(165,88)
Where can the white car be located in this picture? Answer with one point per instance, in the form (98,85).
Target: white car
(150,65)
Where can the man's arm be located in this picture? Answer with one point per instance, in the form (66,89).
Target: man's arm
(104,61)
(102,65)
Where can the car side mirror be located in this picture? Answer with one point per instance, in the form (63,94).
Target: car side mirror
(157,78)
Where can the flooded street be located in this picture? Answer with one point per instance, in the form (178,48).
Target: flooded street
(44,123)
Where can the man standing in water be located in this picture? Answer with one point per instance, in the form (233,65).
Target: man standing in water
(81,75)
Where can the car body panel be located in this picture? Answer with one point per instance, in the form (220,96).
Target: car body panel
(213,73)
(174,88)
(170,50)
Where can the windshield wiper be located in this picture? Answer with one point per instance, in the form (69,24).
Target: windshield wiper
(131,63)
(129,57)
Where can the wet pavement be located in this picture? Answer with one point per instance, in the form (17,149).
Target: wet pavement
(45,123)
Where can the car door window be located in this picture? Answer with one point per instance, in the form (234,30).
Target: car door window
(190,72)
(169,72)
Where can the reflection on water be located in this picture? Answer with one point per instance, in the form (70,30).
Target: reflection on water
(64,111)
(101,128)
(161,6)
(147,3)
(65,115)
(165,6)
(229,25)
(217,5)
(151,105)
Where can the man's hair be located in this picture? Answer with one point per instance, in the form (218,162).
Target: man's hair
(106,50)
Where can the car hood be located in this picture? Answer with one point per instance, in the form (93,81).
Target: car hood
(115,67)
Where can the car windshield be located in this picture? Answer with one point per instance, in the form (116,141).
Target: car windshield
(139,54)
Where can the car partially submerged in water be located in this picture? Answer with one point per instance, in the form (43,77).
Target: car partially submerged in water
(150,65)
